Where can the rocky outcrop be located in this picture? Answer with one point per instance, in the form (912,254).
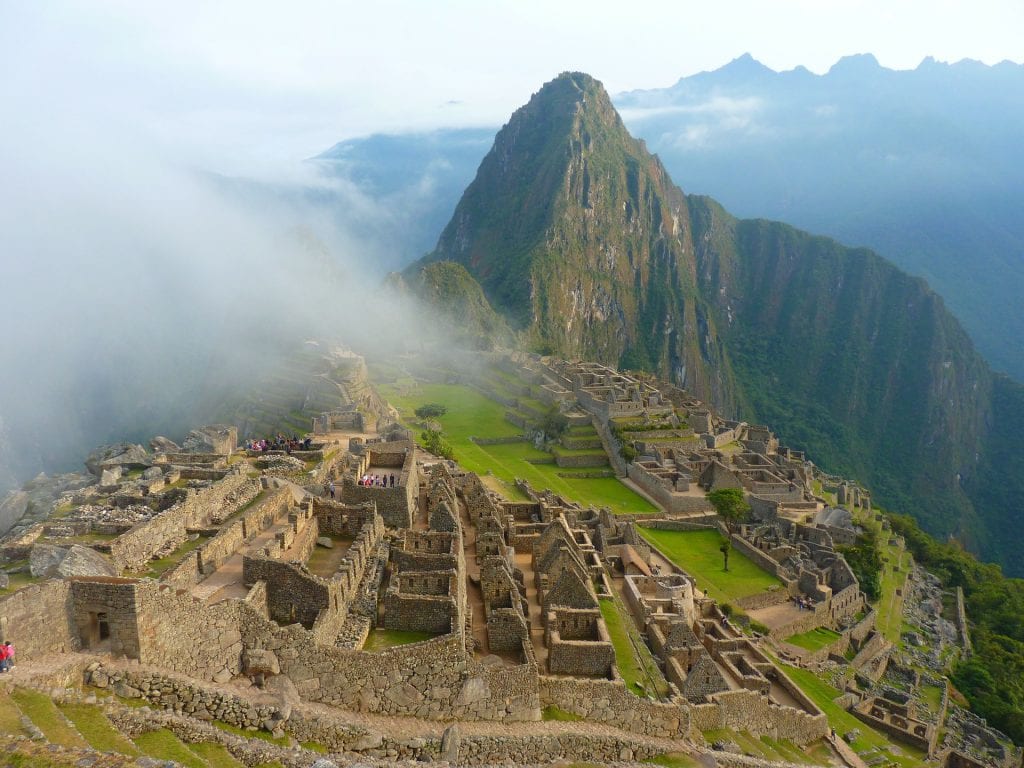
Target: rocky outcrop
(14,505)
(47,561)
(213,438)
(117,454)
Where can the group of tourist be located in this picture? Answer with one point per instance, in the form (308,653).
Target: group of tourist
(6,656)
(803,603)
(378,481)
(279,443)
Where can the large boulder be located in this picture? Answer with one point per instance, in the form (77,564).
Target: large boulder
(213,438)
(117,455)
(84,561)
(161,444)
(45,559)
(13,506)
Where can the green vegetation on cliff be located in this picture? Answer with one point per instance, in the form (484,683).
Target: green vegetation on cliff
(992,678)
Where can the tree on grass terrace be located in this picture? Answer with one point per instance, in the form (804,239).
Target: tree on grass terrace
(730,504)
(552,424)
(431,411)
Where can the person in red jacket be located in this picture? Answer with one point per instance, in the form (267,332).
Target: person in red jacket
(9,646)
(3,658)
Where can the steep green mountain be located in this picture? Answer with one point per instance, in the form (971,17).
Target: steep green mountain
(578,236)
(922,166)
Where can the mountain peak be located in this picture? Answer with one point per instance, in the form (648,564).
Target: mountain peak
(856,64)
(746,65)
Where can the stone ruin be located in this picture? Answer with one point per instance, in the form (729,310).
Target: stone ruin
(219,568)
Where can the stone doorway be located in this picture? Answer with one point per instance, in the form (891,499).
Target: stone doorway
(98,630)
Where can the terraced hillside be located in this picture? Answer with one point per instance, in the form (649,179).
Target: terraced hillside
(486,425)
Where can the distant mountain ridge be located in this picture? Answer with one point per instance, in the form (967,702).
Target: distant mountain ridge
(922,165)
(578,236)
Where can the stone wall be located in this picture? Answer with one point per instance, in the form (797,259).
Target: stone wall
(173,693)
(262,514)
(38,620)
(185,574)
(608,702)
(703,524)
(661,490)
(420,612)
(754,713)
(395,505)
(164,532)
(961,623)
(183,635)
(764,599)
(433,679)
(292,595)
(337,519)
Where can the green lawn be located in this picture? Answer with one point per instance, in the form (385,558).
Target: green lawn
(632,656)
(814,640)
(379,639)
(823,694)
(164,745)
(215,755)
(10,717)
(159,567)
(247,734)
(696,552)
(767,748)
(94,726)
(41,710)
(470,414)
(889,605)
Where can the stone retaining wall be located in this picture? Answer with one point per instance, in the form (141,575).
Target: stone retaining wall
(131,551)
(581,460)
(754,713)
(608,702)
(701,524)
(176,694)
(498,440)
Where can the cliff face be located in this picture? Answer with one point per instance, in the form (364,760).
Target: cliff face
(578,236)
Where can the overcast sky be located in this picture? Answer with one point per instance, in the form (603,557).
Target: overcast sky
(250,87)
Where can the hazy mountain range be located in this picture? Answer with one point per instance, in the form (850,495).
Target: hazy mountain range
(923,166)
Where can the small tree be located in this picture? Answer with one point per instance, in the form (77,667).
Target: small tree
(431,411)
(725,549)
(553,424)
(436,444)
(730,504)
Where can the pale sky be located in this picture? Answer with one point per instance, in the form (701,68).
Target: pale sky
(243,86)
